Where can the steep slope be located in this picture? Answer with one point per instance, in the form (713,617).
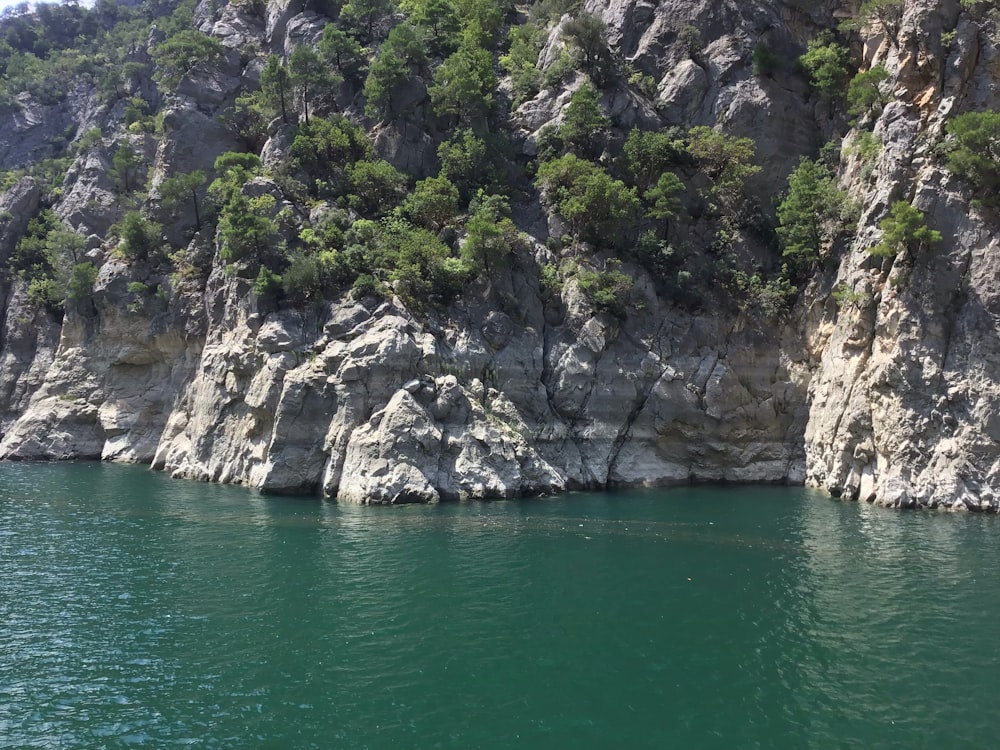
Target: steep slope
(579,359)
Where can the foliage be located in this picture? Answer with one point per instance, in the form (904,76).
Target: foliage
(341,51)
(587,36)
(595,204)
(422,269)
(664,200)
(179,54)
(521,60)
(608,290)
(976,152)
(184,187)
(140,237)
(360,18)
(233,168)
(464,161)
(866,146)
(885,14)
(433,203)
(826,62)
(47,256)
(691,40)
(649,153)
(398,58)
(864,92)
(901,229)
(439,20)
(267,284)
(82,277)
(89,140)
(464,85)
(275,86)
(324,149)
(764,61)
(845,296)
(125,164)
(377,187)
(310,74)
(490,235)
(726,161)
(584,125)
(811,214)
(762,296)
(246,228)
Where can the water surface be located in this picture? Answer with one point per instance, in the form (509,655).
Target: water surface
(137,611)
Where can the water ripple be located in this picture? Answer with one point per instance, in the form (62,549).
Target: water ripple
(140,612)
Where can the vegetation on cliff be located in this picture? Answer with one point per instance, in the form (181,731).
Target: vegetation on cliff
(436,65)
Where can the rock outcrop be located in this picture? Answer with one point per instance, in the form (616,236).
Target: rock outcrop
(892,396)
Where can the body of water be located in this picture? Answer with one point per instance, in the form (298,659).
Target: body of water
(137,611)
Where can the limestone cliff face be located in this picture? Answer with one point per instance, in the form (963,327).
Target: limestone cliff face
(519,388)
(903,407)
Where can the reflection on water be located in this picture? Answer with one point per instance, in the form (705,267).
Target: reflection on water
(135,610)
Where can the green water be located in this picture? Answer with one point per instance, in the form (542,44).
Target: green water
(136,611)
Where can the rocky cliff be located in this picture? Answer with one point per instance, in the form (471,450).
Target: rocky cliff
(879,381)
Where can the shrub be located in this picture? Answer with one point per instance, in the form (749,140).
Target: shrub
(901,229)
(975,156)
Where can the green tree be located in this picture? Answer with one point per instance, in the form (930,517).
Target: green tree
(80,287)
(433,203)
(464,161)
(595,205)
(360,17)
(826,62)
(246,228)
(884,14)
(177,55)
(587,35)
(490,234)
(233,168)
(664,200)
(140,237)
(901,229)
(865,92)
(248,120)
(521,60)
(649,153)
(480,20)
(276,85)
(324,148)
(439,19)
(393,67)
(341,51)
(378,187)
(464,85)
(584,127)
(184,187)
(765,62)
(810,214)
(126,163)
(420,267)
(725,160)
(309,74)
(975,155)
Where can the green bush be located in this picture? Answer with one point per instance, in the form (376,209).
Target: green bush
(140,237)
(903,228)
(378,187)
(811,214)
(594,204)
(765,62)
(827,64)
(975,156)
